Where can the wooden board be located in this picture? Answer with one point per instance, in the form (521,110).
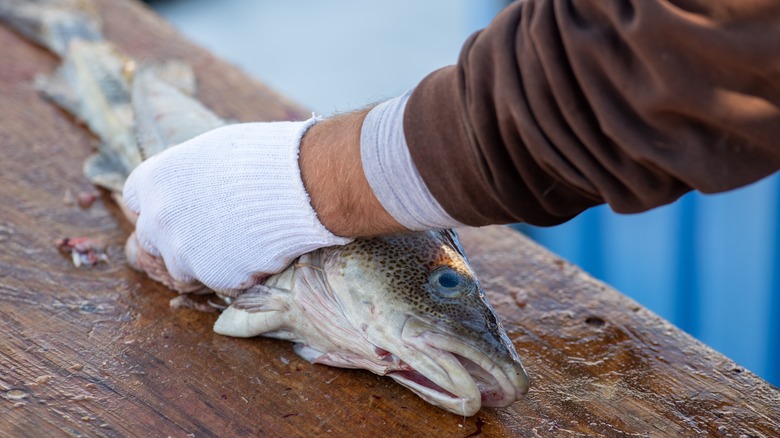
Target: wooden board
(98,352)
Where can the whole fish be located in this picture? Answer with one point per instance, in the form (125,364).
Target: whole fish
(407,306)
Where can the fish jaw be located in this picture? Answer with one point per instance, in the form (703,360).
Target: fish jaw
(453,375)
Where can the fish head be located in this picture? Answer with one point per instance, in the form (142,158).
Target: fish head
(422,309)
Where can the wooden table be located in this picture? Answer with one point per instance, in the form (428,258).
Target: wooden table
(98,352)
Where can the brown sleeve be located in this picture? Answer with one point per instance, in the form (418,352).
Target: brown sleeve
(561,105)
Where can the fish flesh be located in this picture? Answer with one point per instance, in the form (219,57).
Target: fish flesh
(407,306)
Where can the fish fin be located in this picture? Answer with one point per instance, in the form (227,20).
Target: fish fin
(104,172)
(262,298)
(56,89)
(451,236)
(166,115)
(341,359)
(308,353)
(257,311)
(284,335)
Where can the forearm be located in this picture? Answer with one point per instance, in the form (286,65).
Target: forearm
(559,106)
(362,178)
(333,175)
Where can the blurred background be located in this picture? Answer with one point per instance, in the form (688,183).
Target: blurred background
(706,263)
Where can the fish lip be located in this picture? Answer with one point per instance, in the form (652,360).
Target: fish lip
(472,379)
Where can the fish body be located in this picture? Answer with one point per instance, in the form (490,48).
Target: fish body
(166,114)
(92,83)
(407,306)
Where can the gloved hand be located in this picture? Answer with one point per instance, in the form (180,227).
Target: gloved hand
(225,208)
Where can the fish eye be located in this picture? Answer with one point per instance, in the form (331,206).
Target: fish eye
(447,281)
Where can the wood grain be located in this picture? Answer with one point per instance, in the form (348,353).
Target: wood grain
(98,352)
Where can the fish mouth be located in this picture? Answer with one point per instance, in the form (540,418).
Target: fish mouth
(454,375)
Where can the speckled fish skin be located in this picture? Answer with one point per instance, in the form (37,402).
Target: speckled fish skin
(407,306)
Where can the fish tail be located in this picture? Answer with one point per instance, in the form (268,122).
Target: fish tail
(54,24)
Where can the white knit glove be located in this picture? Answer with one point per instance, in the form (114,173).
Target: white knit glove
(228,207)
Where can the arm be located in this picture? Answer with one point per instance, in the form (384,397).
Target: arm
(561,105)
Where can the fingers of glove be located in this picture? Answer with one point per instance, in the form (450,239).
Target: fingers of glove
(145,228)
(144,261)
(152,240)
(131,252)
(137,183)
(129,215)
(155,268)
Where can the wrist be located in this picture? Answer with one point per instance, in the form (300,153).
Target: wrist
(393,175)
(332,174)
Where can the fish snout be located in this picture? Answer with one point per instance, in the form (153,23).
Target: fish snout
(498,396)
(499,375)
(455,375)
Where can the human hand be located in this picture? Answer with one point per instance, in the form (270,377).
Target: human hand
(225,209)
